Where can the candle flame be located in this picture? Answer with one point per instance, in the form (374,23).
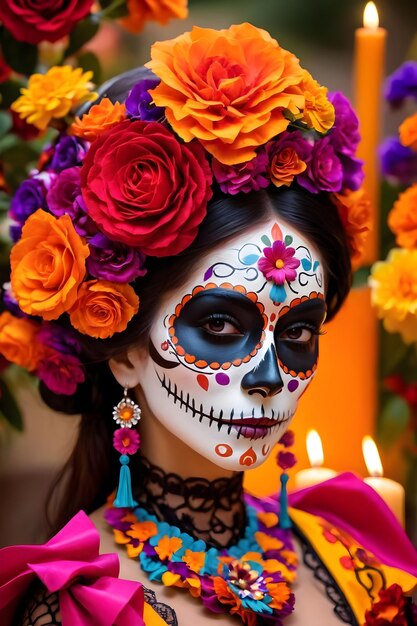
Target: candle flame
(371,456)
(314,448)
(370,16)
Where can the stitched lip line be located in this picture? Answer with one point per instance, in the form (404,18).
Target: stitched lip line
(239,422)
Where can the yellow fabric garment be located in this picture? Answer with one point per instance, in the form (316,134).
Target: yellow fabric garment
(356,571)
(151,617)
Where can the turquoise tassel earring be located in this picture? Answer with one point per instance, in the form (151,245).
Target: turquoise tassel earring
(285,460)
(126,441)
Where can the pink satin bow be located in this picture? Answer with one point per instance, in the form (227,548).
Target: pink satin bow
(90,592)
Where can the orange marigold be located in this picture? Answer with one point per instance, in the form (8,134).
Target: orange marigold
(231,89)
(167,546)
(99,118)
(48,265)
(18,342)
(354,209)
(161,11)
(319,111)
(402,218)
(103,308)
(408,132)
(280,593)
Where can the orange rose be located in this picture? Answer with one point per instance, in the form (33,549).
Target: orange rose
(161,11)
(103,308)
(99,118)
(48,265)
(18,341)
(402,218)
(231,89)
(354,211)
(319,111)
(408,132)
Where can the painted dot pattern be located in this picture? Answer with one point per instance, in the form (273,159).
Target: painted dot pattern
(293,385)
(222,379)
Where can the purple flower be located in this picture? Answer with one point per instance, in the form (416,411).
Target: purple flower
(345,136)
(64,197)
(287,439)
(29,197)
(279,263)
(60,339)
(353,173)
(61,373)
(398,163)
(402,83)
(114,516)
(114,261)
(69,151)
(244,177)
(286,460)
(324,170)
(126,440)
(139,102)
(10,301)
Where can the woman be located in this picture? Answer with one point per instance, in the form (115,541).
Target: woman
(234,174)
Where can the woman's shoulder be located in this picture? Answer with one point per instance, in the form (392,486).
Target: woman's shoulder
(57,581)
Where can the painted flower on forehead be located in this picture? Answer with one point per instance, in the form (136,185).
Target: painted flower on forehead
(139,103)
(99,118)
(126,440)
(146,189)
(242,178)
(52,95)
(279,265)
(231,89)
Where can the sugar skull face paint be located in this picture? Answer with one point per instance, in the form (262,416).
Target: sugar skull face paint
(230,355)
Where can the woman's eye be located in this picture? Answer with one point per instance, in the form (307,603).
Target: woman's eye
(298,334)
(221,326)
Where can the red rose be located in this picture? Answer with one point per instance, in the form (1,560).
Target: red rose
(146,189)
(43,20)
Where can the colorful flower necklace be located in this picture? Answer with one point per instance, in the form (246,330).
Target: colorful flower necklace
(250,579)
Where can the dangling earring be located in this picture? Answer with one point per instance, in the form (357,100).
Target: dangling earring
(126,441)
(285,460)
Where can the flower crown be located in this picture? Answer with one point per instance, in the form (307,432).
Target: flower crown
(228,110)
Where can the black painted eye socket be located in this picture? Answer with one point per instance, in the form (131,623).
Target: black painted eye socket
(219,325)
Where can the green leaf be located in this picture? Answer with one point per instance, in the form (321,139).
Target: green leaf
(5,122)
(83,32)
(9,408)
(18,154)
(89,61)
(288,240)
(22,57)
(10,91)
(266,240)
(393,419)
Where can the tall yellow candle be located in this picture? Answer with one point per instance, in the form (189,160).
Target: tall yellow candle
(392,492)
(369,64)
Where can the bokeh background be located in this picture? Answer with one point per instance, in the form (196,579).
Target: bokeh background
(343,401)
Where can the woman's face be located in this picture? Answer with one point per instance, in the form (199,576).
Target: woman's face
(228,363)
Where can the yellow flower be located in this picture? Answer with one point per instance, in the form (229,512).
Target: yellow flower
(53,95)
(394,292)
(319,111)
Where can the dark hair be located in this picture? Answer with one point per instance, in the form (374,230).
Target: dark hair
(91,472)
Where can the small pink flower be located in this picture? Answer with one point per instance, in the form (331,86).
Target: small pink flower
(279,263)
(126,440)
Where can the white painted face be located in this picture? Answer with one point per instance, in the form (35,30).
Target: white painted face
(231,354)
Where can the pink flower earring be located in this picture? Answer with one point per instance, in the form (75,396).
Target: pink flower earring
(126,441)
(285,460)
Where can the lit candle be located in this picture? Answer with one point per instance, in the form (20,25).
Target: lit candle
(316,473)
(369,72)
(389,490)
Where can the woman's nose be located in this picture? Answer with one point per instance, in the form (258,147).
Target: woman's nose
(265,378)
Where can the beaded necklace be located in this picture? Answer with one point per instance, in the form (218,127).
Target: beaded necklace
(250,579)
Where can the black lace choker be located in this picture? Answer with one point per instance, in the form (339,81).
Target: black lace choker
(210,510)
